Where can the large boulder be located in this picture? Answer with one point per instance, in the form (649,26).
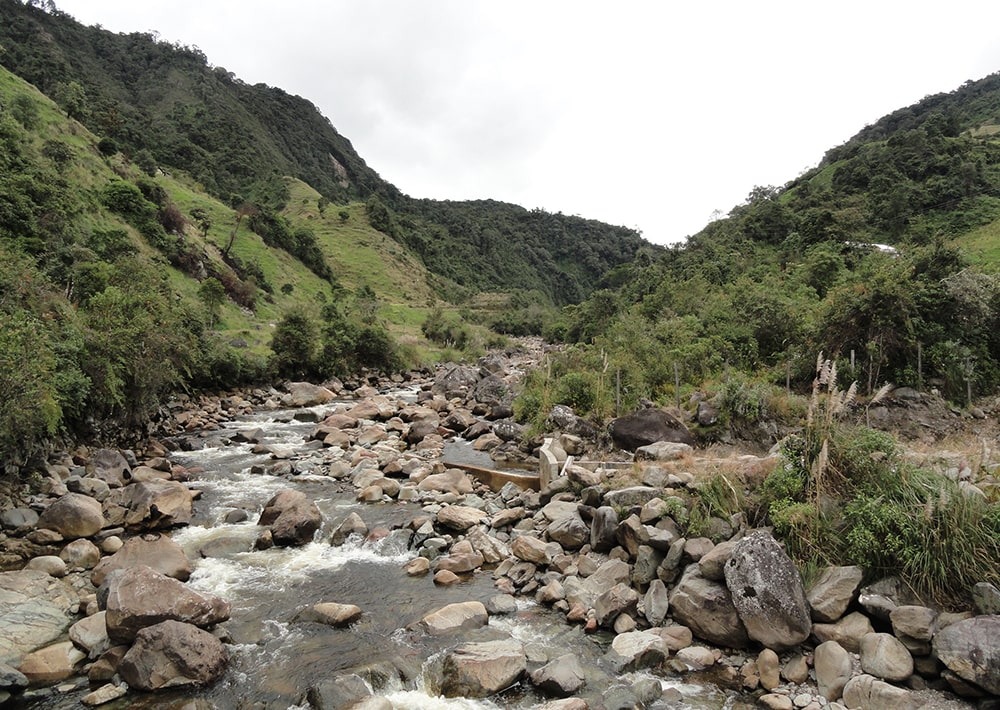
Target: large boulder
(971,650)
(173,654)
(292,518)
(153,550)
(885,656)
(767,591)
(833,669)
(452,480)
(306,394)
(52,663)
(460,517)
(35,609)
(865,692)
(109,466)
(706,607)
(455,381)
(637,649)
(648,426)
(604,529)
(460,616)
(478,670)
(155,504)
(847,631)
(73,515)
(560,677)
(832,593)
(139,597)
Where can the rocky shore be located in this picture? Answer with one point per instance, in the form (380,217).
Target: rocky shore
(96,592)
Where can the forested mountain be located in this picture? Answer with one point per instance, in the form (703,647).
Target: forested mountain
(164,105)
(887,256)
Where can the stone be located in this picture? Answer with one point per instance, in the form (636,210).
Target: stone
(774,701)
(461,616)
(885,656)
(697,547)
(971,649)
(156,504)
(865,692)
(35,610)
(491,549)
(648,426)
(620,599)
(833,591)
(656,603)
(49,564)
(569,531)
(796,669)
(306,394)
(452,480)
(18,519)
(73,515)
(91,634)
(696,658)
(173,654)
(833,669)
(663,451)
(914,626)
(292,518)
(11,678)
(560,677)
(52,663)
(630,496)
(706,607)
(330,614)
(848,631)
(604,529)
(351,525)
(530,549)
(713,563)
(153,550)
(340,693)
(768,667)
(460,563)
(637,649)
(105,694)
(139,597)
(767,591)
(675,636)
(109,466)
(81,553)
(986,599)
(478,670)
(417,567)
(501,604)
(460,517)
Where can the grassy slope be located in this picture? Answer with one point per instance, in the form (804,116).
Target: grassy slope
(358,254)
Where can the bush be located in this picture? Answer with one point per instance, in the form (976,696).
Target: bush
(295,345)
(576,390)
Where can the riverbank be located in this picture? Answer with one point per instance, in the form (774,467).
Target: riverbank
(601,554)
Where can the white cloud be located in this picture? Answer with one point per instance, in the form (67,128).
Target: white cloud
(637,113)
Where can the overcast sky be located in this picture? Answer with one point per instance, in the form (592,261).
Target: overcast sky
(651,115)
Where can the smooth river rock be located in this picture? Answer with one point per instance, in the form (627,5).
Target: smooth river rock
(73,515)
(35,609)
(153,550)
(706,607)
(173,654)
(478,670)
(971,650)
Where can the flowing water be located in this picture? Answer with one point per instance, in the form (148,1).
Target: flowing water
(275,660)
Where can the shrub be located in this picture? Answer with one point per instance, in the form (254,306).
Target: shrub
(295,345)
(576,390)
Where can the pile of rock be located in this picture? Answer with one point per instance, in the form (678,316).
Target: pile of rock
(140,623)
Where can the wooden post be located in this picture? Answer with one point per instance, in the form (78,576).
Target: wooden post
(618,392)
(788,377)
(853,376)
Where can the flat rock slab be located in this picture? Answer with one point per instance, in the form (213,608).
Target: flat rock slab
(35,610)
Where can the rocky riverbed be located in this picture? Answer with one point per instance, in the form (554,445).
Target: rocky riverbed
(310,548)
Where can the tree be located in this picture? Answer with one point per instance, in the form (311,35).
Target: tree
(244,210)
(213,295)
(294,344)
(202,219)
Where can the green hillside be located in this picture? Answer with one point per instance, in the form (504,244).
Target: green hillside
(164,105)
(798,270)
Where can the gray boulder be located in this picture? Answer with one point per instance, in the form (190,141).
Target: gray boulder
(292,518)
(971,650)
(865,692)
(620,599)
(847,631)
(35,610)
(656,603)
(884,656)
(73,515)
(832,593)
(139,597)
(156,504)
(306,394)
(560,677)
(986,598)
(353,524)
(767,592)
(648,426)
(18,519)
(663,451)
(109,466)
(604,529)
(152,550)
(340,693)
(707,608)
(460,616)
(173,654)
(478,670)
(833,669)
(637,649)
(570,532)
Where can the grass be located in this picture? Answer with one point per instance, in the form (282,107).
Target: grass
(982,246)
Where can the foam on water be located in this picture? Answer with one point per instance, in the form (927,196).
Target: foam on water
(419,700)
